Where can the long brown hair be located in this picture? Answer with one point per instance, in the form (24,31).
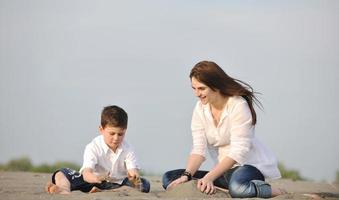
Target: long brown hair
(213,76)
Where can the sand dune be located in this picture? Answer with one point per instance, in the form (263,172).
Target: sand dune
(30,186)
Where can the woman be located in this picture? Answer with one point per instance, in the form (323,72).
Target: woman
(223,122)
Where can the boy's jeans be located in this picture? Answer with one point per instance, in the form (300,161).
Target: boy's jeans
(242,181)
(77,182)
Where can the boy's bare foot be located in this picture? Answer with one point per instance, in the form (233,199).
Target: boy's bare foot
(278,191)
(94,190)
(51,188)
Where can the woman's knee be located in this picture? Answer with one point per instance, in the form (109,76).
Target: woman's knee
(253,188)
(166,179)
(170,176)
(241,190)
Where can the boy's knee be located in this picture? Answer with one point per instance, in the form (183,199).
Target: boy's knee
(61,180)
(146,186)
(59,175)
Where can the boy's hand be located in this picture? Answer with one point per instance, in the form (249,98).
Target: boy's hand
(102,178)
(134,178)
(90,177)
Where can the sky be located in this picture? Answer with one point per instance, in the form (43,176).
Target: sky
(62,61)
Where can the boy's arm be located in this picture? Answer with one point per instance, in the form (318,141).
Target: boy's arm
(134,178)
(131,162)
(90,177)
(133,169)
(133,173)
(90,160)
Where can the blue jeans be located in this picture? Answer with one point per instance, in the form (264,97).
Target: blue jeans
(78,183)
(242,181)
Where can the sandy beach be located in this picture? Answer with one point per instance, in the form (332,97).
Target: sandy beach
(30,186)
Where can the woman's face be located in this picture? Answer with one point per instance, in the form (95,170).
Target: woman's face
(203,92)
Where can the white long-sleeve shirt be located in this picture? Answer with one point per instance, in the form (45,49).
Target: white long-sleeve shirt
(99,157)
(234,137)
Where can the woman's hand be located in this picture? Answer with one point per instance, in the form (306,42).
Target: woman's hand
(176,182)
(205,185)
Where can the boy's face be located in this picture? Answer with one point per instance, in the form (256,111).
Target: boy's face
(113,136)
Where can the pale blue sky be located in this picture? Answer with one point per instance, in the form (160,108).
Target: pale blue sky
(62,61)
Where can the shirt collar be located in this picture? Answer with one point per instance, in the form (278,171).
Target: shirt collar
(207,109)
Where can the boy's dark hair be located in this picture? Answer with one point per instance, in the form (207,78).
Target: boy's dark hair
(114,116)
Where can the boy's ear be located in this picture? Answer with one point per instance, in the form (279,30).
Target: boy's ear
(101,129)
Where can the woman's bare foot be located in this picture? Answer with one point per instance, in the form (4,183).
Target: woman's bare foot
(278,191)
(221,189)
(94,190)
(313,196)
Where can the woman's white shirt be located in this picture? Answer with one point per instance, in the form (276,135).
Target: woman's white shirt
(234,137)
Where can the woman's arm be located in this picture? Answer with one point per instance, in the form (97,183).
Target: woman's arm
(226,164)
(194,162)
(197,155)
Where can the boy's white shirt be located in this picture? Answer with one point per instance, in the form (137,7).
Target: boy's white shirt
(99,157)
(233,137)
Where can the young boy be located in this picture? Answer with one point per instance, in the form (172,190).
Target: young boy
(109,162)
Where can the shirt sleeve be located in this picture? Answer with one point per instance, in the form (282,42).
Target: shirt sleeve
(241,132)
(90,158)
(131,160)
(198,133)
